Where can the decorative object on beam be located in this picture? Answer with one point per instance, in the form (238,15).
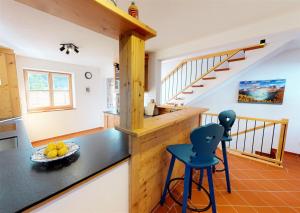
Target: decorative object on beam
(68,47)
(133,10)
(263,41)
(114,2)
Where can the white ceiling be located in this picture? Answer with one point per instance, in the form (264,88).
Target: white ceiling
(36,34)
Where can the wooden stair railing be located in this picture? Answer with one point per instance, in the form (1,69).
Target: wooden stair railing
(255,138)
(190,71)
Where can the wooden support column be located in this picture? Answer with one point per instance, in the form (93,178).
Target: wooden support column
(132,71)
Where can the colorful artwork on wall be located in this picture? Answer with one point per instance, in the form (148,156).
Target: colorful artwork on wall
(264,91)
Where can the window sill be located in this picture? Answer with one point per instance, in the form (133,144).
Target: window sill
(49,110)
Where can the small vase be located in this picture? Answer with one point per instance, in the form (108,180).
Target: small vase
(133,10)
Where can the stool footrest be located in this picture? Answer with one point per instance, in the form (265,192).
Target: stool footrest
(223,169)
(189,207)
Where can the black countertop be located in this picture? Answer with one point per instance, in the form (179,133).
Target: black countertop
(24,184)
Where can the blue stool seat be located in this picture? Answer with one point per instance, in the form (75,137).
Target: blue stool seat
(183,152)
(198,155)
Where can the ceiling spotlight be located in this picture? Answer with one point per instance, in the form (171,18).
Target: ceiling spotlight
(69,46)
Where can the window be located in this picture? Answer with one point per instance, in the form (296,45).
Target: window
(46,91)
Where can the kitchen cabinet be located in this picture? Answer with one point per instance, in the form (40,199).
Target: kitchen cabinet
(111,120)
(9,91)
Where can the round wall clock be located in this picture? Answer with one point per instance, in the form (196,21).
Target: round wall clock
(88,75)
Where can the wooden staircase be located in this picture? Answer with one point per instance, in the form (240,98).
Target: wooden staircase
(191,74)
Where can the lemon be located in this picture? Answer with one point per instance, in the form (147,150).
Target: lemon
(52,154)
(62,151)
(50,147)
(60,145)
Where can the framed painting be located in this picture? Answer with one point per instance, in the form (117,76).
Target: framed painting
(262,91)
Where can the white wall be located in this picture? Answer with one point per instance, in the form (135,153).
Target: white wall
(88,106)
(105,193)
(286,65)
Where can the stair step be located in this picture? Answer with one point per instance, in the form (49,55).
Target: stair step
(221,69)
(208,78)
(171,103)
(179,99)
(201,85)
(188,92)
(237,59)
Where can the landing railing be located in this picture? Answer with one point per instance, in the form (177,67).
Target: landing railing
(256,138)
(190,71)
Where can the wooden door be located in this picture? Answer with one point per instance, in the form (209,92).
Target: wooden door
(5,100)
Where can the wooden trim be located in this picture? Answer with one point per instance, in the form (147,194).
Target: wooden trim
(6,50)
(208,72)
(222,69)
(283,121)
(252,129)
(209,78)
(51,107)
(236,59)
(66,136)
(282,140)
(97,15)
(7,127)
(251,47)
(256,158)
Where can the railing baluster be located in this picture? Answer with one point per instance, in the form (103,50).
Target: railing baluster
(245,135)
(185,75)
(177,81)
(201,66)
(169,88)
(191,72)
(272,139)
(207,65)
(237,137)
(211,119)
(181,83)
(262,138)
(173,84)
(253,136)
(196,70)
(214,61)
(205,119)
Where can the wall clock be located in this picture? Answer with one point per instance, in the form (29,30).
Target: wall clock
(88,75)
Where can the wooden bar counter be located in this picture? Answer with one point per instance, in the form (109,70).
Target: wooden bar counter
(149,160)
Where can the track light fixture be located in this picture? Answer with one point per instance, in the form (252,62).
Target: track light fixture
(68,47)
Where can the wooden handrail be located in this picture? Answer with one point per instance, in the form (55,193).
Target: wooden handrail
(202,76)
(283,121)
(251,47)
(252,129)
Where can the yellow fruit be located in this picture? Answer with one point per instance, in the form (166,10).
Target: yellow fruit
(63,151)
(60,145)
(52,154)
(50,147)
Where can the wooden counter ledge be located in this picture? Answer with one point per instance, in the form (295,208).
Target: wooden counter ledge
(149,160)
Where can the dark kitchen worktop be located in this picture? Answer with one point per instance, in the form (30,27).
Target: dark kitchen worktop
(24,184)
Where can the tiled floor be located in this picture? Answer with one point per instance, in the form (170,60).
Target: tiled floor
(256,188)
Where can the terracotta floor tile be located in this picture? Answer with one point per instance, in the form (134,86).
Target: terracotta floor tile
(245,209)
(234,198)
(256,188)
(253,198)
(271,199)
(285,210)
(291,199)
(266,210)
(225,209)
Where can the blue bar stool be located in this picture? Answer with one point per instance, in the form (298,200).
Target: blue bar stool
(227,119)
(198,155)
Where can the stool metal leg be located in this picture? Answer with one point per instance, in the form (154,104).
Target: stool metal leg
(200,179)
(186,188)
(211,189)
(191,184)
(226,166)
(163,197)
